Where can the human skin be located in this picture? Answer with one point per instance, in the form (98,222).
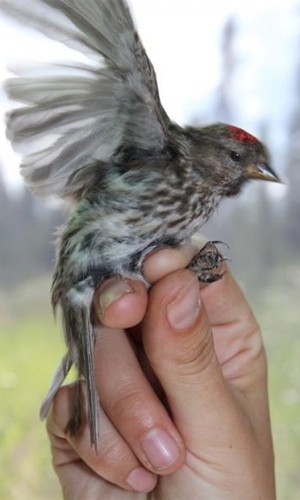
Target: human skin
(183,394)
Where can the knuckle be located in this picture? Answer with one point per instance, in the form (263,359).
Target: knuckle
(197,353)
(128,403)
(112,452)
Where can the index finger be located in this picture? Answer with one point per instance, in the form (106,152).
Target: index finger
(236,333)
(226,304)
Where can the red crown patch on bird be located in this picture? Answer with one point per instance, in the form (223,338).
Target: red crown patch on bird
(241,135)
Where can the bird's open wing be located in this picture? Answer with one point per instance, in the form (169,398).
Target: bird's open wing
(75,116)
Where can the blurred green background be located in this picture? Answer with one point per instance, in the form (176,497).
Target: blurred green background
(262,228)
(31,345)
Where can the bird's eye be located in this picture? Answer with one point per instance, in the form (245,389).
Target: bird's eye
(235,156)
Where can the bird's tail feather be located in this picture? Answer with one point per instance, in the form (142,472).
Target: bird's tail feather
(59,376)
(80,336)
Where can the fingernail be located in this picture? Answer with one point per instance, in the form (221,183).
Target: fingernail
(141,480)
(113,290)
(160,449)
(184,310)
(198,241)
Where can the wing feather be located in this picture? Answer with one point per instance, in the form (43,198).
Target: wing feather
(75,117)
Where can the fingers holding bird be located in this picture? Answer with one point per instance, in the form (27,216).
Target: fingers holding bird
(74,458)
(128,394)
(143,439)
(127,397)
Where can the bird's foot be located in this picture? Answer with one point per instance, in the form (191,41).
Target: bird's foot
(208,262)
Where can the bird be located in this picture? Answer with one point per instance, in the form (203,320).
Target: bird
(95,133)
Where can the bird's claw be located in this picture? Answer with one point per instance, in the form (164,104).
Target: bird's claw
(208,262)
(217,242)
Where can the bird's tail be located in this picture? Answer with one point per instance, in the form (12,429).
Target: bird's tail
(58,378)
(80,335)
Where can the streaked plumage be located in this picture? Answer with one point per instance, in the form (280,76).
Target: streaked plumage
(96,133)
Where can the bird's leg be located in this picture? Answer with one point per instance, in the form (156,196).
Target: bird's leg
(207,263)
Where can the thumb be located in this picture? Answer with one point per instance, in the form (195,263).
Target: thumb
(179,344)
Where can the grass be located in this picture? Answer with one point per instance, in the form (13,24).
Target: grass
(31,346)
(29,352)
(278,313)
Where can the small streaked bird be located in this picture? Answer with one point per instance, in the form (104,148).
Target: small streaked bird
(96,133)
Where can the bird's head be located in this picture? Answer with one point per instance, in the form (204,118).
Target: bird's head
(230,156)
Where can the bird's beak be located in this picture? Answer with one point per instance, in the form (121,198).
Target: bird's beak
(262,171)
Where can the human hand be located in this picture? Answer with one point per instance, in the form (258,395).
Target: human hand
(206,432)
